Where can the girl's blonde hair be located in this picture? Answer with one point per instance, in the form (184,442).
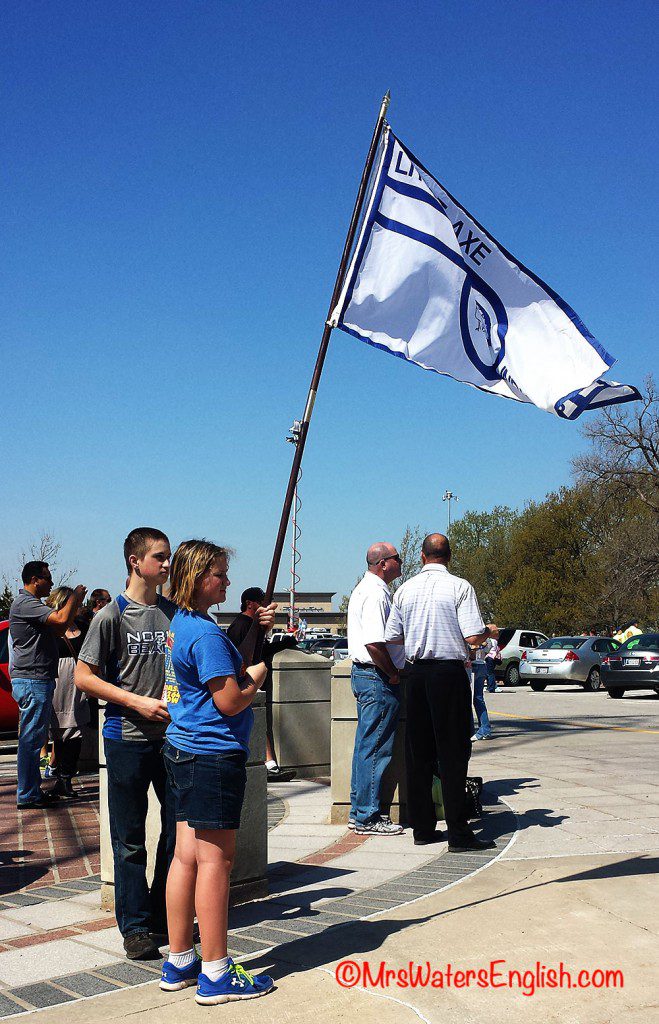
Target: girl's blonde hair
(192,559)
(58,597)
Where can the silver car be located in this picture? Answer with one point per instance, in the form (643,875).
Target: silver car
(567,660)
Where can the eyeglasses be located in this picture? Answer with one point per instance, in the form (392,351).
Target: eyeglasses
(396,558)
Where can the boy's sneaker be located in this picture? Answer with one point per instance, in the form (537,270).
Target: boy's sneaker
(379,827)
(175,978)
(235,984)
(351,824)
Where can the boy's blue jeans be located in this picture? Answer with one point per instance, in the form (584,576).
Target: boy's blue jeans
(133,766)
(35,701)
(378,705)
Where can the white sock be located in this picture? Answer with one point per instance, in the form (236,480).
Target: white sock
(271,764)
(214,969)
(183,959)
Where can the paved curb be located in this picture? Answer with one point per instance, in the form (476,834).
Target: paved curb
(275,923)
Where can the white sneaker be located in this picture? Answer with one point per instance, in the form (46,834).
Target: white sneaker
(351,824)
(379,828)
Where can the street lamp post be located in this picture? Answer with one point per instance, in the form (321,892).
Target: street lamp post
(449,496)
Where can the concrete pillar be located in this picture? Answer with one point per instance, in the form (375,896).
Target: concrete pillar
(301,714)
(344,725)
(248,879)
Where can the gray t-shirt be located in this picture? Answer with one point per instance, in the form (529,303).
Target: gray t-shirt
(126,641)
(34,644)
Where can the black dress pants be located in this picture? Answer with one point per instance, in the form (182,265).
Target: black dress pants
(438,730)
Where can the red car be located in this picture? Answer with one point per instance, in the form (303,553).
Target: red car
(8,706)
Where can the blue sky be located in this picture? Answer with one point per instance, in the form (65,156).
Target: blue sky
(178,182)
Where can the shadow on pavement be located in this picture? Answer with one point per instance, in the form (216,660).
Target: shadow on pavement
(350,940)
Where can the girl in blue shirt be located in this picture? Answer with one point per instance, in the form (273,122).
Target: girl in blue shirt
(209,694)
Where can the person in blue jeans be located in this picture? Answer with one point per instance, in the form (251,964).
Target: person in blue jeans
(375,684)
(378,708)
(492,655)
(209,695)
(34,629)
(122,661)
(484,730)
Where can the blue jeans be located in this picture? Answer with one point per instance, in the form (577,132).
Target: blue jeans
(378,704)
(480,678)
(35,700)
(491,676)
(132,767)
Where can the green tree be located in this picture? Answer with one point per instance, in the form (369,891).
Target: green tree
(409,550)
(6,597)
(480,545)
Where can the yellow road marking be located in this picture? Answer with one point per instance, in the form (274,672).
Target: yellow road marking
(564,721)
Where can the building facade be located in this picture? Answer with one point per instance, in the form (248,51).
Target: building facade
(315,606)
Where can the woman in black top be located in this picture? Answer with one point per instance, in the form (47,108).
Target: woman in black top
(70,706)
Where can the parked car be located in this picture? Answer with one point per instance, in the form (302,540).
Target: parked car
(513,643)
(305,645)
(340,649)
(8,706)
(280,634)
(634,666)
(575,660)
(324,646)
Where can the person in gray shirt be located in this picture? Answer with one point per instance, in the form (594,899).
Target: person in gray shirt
(122,661)
(33,629)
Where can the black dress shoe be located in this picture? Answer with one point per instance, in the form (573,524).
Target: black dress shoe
(432,837)
(140,946)
(45,800)
(64,788)
(278,774)
(471,845)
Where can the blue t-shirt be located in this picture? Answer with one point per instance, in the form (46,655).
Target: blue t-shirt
(198,651)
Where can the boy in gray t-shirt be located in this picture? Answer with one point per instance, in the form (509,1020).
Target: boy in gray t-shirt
(122,661)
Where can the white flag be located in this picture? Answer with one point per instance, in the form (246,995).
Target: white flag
(429,284)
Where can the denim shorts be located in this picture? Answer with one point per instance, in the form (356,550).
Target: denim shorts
(208,789)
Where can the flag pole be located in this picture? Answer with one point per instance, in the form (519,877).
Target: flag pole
(322,351)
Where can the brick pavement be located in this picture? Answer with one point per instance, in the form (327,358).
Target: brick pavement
(54,845)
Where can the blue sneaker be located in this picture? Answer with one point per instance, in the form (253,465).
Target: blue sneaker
(175,978)
(235,984)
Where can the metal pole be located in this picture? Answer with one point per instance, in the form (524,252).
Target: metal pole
(449,496)
(291,619)
(322,351)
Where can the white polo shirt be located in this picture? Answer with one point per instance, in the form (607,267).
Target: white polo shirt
(435,611)
(368,611)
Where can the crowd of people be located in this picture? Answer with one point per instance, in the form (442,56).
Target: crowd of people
(178,699)
(178,717)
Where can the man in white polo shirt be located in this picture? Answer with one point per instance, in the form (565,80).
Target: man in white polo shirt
(437,616)
(375,684)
